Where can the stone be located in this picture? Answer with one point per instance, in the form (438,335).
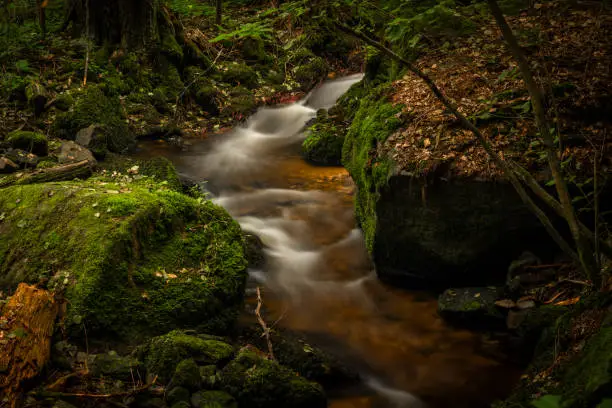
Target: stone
(71,152)
(213,399)
(7,165)
(177,394)
(23,159)
(85,136)
(115,366)
(187,375)
(473,307)
(209,376)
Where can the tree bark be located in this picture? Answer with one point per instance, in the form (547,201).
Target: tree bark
(218,6)
(583,246)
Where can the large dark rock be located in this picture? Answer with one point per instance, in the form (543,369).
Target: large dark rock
(459,232)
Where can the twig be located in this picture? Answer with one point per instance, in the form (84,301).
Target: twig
(262,323)
(94,396)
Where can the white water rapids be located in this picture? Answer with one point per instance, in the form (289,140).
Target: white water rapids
(318,279)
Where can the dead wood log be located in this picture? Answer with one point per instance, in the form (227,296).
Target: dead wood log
(82,170)
(27,321)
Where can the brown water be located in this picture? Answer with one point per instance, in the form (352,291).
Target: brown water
(318,279)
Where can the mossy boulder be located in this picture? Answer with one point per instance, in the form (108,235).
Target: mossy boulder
(257,382)
(308,69)
(135,258)
(187,375)
(239,74)
(323,143)
(32,142)
(159,169)
(213,399)
(93,107)
(176,395)
(240,104)
(162,354)
(253,50)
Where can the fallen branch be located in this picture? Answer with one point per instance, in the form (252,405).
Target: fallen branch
(56,394)
(262,323)
(82,169)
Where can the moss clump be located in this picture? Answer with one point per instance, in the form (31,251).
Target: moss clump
(187,375)
(239,74)
(308,69)
(163,353)
(253,49)
(241,103)
(323,145)
(136,257)
(114,366)
(29,141)
(159,168)
(257,382)
(93,107)
(213,399)
(373,123)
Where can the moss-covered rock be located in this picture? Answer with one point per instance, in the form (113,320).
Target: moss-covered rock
(239,74)
(32,142)
(213,399)
(163,353)
(187,375)
(176,395)
(93,107)
(257,382)
(253,49)
(308,69)
(572,363)
(159,168)
(323,144)
(114,366)
(240,104)
(135,257)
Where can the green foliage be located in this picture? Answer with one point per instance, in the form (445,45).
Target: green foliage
(191,8)
(258,30)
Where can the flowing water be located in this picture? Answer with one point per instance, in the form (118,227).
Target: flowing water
(318,279)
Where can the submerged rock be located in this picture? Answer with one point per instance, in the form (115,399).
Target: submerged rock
(472,307)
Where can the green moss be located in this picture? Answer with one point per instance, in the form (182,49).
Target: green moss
(93,107)
(241,103)
(136,257)
(111,365)
(187,375)
(310,72)
(323,144)
(213,399)
(29,141)
(374,121)
(257,382)
(239,74)
(163,353)
(159,168)
(176,395)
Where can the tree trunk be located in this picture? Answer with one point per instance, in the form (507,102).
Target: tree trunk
(130,23)
(583,246)
(219,6)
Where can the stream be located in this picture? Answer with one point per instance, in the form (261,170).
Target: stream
(318,280)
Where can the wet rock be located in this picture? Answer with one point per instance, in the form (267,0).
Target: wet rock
(257,382)
(209,376)
(177,394)
(85,136)
(71,152)
(472,307)
(187,375)
(32,142)
(115,366)
(254,251)
(7,165)
(23,159)
(213,399)
(163,353)
(64,355)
